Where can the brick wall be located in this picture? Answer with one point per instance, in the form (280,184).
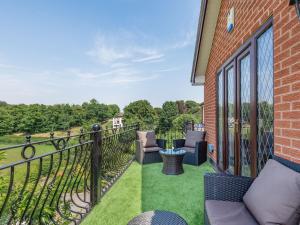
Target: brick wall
(249,16)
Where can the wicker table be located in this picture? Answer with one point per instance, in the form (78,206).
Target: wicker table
(172,161)
(158,218)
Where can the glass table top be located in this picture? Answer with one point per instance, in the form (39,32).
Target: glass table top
(176,151)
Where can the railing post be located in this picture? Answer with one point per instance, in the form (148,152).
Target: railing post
(96,164)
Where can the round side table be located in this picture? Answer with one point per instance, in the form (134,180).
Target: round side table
(158,218)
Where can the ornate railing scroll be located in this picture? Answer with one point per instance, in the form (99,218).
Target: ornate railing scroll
(53,181)
(117,151)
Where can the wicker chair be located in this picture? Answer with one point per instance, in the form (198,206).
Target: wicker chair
(145,155)
(225,187)
(194,155)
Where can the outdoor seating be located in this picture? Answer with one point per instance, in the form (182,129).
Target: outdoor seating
(195,146)
(273,197)
(148,147)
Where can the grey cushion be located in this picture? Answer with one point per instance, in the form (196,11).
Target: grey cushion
(152,149)
(228,213)
(188,149)
(274,196)
(192,137)
(147,138)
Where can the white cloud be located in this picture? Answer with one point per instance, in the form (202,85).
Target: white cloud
(121,79)
(152,58)
(6,66)
(121,50)
(187,40)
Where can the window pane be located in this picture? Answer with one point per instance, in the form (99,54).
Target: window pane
(230,118)
(245,116)
(220,117)
(265,111)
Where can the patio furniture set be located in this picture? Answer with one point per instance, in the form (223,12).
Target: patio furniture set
(191,150)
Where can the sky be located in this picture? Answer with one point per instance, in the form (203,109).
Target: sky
(116,51)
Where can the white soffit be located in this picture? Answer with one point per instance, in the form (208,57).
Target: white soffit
(206,30)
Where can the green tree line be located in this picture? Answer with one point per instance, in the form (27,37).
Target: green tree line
(37,118)
(172,114)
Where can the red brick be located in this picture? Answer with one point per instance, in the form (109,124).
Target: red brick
(283,141)
(290,60)
(296,86)
(296,124)
(282,90)
(295,153)
(296,144)
(291,115)
(282,107)
(296,67)
(291,133)
(283,123)
(294,96)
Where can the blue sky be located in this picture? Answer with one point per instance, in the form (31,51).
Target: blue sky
(115,51)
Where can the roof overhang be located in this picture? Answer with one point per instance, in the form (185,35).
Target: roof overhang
(206,29)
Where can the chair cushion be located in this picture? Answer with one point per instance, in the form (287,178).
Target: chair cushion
(228,213)
(147,138)
(152,149)
(274,196)
(188,149)
(192,137)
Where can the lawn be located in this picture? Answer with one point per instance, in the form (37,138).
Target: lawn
(14,155)
(145,188)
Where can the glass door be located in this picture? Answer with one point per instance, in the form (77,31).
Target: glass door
(245,106)
(220,120)
(244,114)
(230,118)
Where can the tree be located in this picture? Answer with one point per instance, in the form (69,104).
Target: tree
(192,107)
(113,110)
(140,112)
(6,122)
(181,106)
(168,114)
(181,120)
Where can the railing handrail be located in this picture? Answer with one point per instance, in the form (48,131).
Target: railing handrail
(60,138)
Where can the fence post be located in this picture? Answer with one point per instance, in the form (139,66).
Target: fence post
(96,164)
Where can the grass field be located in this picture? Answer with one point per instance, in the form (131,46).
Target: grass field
(14,155)
(145,188)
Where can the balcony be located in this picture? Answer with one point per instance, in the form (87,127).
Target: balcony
(145,188)
(92,178)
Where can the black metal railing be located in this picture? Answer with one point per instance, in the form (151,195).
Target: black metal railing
(172,133)
(59,180)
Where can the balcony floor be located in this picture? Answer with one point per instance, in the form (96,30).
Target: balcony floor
(145,188)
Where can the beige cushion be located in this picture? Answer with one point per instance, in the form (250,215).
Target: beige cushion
(274,196)
(228,213)
(188,149)
(147,138)
(152,149)
(192,137)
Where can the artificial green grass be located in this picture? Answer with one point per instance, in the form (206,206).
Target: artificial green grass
(145,188)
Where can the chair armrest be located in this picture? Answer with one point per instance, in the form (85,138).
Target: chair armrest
(161,143)
(178,143)
(225,187)
(201,152)
(139,153)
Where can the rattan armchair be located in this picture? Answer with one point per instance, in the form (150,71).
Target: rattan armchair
(194,156)
(144,157)
(224,187)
